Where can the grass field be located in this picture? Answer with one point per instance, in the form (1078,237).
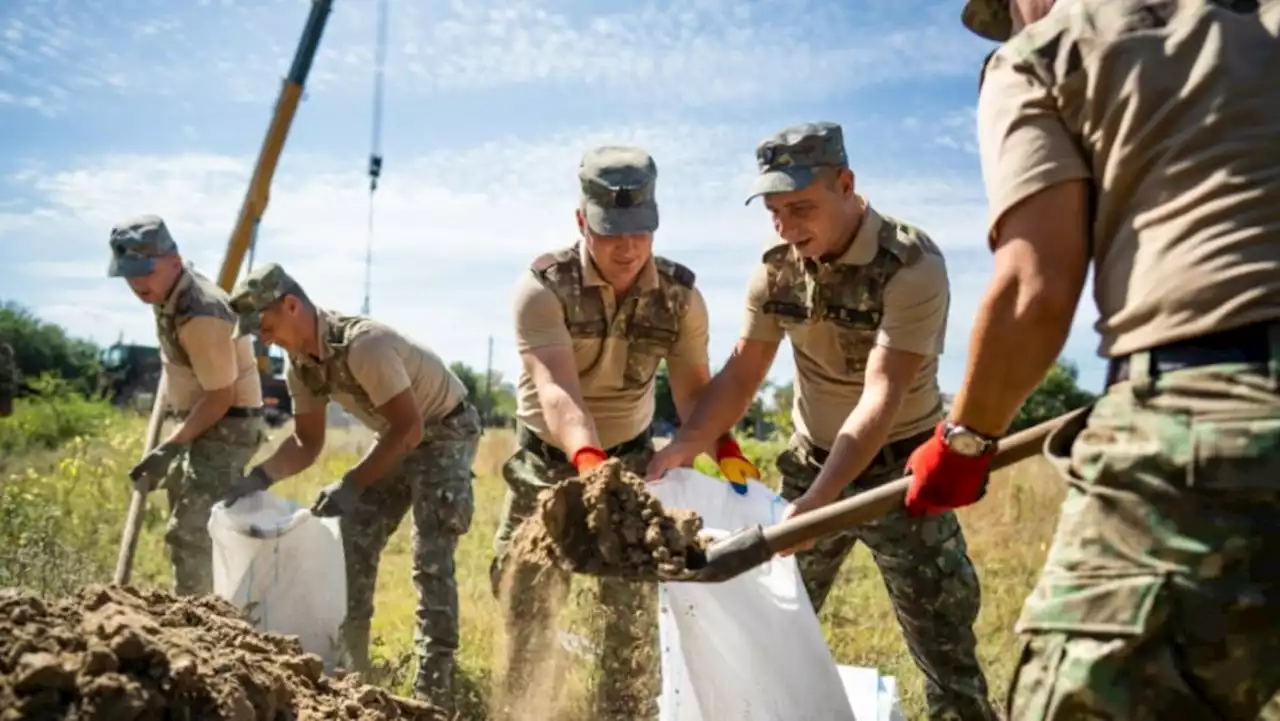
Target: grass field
(61,512)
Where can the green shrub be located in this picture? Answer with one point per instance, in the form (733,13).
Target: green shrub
(54,414)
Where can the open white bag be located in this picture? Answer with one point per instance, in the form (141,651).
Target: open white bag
(285,566)
(750,648)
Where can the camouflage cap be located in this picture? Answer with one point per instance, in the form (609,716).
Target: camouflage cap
(990,19)
(259,289)
(788,160)
(618,190)
(136,243)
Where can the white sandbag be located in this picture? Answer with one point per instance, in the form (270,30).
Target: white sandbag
(750,648)
(284,566)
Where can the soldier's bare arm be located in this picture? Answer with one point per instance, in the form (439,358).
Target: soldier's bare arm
(1037,187)
(913,329)
(300,449)
(546,350)
(378,369)
(687,366)
(209,344)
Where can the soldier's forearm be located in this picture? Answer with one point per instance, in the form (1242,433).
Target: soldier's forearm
(381,459)
(568,421)
(207,411)
(1020,330)
(860,438)
(720,405)
(292,457)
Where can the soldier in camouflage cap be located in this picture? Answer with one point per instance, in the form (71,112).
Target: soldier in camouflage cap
(427,435)
(593,321)
(863,299)
(211,386)
(1115,133)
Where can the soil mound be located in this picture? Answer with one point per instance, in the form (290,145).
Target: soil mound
(606,522)
(120,654)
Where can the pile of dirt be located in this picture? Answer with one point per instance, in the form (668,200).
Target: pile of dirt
(606,522)
(119,654)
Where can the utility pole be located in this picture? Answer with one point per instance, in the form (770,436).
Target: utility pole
(488,383)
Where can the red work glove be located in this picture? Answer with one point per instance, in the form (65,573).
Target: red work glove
(942,479)
(734,466)
(587,458)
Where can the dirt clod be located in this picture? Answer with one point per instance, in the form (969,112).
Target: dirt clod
(607,523)
(120,654)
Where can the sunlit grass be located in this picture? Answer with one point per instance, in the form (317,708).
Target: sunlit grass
(72,502)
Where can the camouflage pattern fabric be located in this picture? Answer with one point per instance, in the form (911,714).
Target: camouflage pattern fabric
(627,685)
(332,375)
(789,160)
(435,480)
(136,243)
(193,296)
(199,478)
(852,296)
(1160,597)
(618,190)
(263,286)
(653,316)
(927,572)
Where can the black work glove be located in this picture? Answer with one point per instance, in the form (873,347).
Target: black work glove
(255,481)
(337,498)
(154,466)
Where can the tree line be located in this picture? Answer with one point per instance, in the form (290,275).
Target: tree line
(45,349)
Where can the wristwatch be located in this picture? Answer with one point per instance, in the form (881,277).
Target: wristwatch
(967,442)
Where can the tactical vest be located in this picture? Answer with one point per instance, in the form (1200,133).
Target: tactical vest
(332,375)
(652,317)
(802,291)
(195,296)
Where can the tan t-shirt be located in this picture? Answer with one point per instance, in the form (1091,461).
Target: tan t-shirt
(1178,128)
(621,410)
(217,361)
(384,363)
(916,301)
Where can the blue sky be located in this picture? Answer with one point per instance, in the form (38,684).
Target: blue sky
(117,107)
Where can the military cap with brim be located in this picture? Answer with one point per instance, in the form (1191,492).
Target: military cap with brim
(789,159)
(260,288)
(990,19)
(618,190)
(136,243)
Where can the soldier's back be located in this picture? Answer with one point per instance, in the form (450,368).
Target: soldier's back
(1175,108)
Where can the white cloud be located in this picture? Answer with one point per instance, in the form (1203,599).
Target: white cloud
(695,52)
(452,232)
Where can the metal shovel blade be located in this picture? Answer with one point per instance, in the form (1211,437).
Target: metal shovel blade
(753,546)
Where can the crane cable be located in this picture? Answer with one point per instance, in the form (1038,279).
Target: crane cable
(375,154)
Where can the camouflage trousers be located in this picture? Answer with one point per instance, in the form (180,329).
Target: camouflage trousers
(926,570)
(197,481)
(1160,596)
(628,682)
(435,480)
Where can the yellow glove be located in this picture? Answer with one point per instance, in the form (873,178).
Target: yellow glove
(734,466)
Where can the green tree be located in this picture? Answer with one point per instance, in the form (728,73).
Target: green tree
(45,348)
(498,406)
(1058,393)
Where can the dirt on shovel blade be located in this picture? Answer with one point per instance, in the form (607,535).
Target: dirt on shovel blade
(607,523)
(119,654)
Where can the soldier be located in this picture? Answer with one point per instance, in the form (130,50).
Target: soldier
(1140,136)
(593,322)
(863,298)
(9,379)
(427,435)
(211,385)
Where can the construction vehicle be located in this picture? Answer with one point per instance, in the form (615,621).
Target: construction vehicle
(130,376)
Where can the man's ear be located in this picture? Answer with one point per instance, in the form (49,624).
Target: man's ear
(581,221)
(847,182)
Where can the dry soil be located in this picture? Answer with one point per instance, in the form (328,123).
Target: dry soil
(119,654)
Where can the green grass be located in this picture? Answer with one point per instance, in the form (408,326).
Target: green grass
(61,513)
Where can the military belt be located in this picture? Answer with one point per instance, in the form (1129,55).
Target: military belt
(548,452)
(1245,344)
(893,454)
(232,412)
(458,410)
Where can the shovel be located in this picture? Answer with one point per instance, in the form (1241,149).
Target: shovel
(753,546)
(133,522)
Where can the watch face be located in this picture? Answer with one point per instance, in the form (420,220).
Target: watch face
(966,443)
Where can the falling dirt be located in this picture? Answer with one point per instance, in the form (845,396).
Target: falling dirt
(607,523)
(603,524)
(119,654)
